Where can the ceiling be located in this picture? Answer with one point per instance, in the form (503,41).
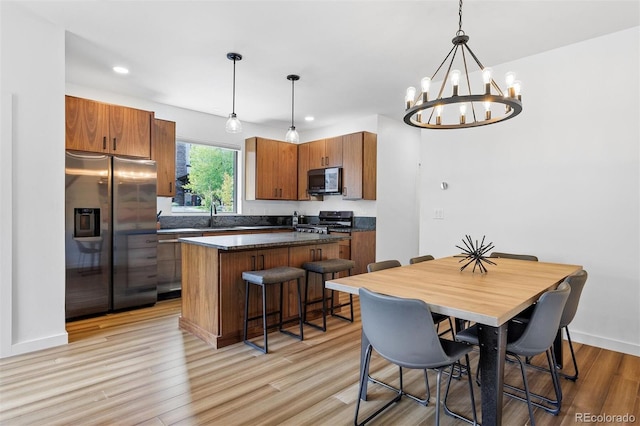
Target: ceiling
(355,58)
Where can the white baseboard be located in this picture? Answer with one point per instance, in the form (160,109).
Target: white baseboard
(36,345)
(605,343)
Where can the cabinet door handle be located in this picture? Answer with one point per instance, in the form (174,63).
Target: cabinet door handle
(313,254)
(280,192)
(344,191)
(170,187)
(104,142)
(262,267)
(275,192)
(320,252)
(114,144)
(253,263)
(322,161)
(326,161)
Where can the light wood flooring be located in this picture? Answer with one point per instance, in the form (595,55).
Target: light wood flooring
(137,367)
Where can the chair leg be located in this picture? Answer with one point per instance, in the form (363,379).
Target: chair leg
(473,399)
(438,382)
(363,378)
(299,285)
(574,377)
(526,391)
(264,318)
(246,310)
(424,401)
(547,404)
(323,327)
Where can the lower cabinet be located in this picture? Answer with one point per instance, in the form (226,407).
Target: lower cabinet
(232,290)
(213,291)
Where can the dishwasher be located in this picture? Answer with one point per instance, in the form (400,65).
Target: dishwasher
(170,262)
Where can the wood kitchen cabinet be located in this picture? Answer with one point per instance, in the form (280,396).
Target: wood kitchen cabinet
(303,170)
(325,153)
(93,126)
(359,162)
(271,170)
(232,290)
(163,151)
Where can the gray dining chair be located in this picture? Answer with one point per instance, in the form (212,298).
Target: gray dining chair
(393,263)
(576,282)
(437,318)
(419,259)
(402,331)
(530,339)
(497,254)
(383,264)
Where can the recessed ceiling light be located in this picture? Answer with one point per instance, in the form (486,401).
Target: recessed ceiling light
(309,118)
(121,70)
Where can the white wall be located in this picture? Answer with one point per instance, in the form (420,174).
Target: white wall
(560,181)
(32,189)
(398,191)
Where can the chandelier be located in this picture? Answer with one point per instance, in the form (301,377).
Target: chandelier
(462,108)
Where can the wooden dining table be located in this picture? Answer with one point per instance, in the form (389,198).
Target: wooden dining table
(490,299)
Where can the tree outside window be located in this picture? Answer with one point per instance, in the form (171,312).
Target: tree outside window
(205,176)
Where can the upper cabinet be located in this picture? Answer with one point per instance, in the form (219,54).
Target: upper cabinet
(325,153)
(271,170)
(359,162)
(163,151)
(303,170)
(108,129)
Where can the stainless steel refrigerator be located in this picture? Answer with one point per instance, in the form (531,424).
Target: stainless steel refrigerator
(110,239)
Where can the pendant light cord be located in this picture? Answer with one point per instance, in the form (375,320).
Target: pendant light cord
(233,106)
(292,100)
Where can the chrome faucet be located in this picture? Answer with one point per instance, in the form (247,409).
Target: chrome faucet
(212,211)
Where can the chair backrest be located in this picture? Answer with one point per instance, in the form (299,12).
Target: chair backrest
(543,325)
(420,259)
(514,256)
(384,264)
(401,330)
(576,282)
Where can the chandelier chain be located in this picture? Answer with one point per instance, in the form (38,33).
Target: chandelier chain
(460,19)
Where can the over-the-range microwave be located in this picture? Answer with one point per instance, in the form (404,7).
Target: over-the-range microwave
(325,181)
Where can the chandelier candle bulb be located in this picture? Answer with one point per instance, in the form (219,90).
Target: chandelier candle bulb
(455,81)
(517,88)
(487,110)
(410,96)
(486,78)
(463,110)
(426,84)
(439,115)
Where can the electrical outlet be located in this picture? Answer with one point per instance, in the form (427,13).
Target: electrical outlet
(438,213)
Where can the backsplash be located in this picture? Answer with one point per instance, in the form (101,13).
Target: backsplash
(223,221)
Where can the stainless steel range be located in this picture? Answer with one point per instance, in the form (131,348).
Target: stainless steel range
(328,220)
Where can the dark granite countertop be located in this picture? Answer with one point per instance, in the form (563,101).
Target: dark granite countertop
(259,241)
(220,229)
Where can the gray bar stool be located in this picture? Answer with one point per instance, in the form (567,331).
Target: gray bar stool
(264,278)
(323,267)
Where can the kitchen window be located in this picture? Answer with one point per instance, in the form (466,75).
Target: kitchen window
(206,179)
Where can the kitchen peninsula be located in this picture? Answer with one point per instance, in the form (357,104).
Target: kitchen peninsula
(213,292)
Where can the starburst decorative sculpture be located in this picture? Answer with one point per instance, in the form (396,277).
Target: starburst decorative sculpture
(475,253)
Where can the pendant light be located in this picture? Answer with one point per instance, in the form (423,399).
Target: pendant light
(233,124)
(459,110)
(292,135)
